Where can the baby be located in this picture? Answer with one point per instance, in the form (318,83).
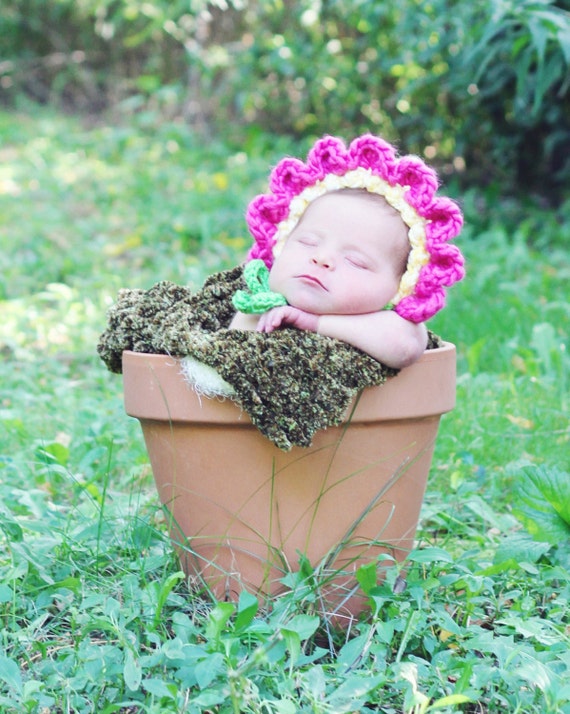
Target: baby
(357,246)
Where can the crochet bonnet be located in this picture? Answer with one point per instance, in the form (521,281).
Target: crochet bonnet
(406,183)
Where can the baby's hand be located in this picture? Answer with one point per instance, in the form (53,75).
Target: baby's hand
(287,315)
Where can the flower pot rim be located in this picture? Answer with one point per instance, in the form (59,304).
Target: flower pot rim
(155,389)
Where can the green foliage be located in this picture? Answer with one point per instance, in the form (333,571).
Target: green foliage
(84,55)
(528,42)
(107,625)
(95,615)
(518,58)
(111,197)
(480,88)
(543,503)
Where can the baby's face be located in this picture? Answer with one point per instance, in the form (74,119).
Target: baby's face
(345,256)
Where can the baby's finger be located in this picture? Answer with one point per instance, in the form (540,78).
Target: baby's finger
(261,324)
(267,322)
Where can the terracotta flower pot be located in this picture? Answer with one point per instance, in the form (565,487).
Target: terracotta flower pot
(243,511)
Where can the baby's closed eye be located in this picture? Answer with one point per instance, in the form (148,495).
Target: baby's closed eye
(358,261)
(307,240)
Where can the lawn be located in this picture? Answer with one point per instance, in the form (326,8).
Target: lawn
(96,616)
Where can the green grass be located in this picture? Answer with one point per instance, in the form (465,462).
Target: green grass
(95,614)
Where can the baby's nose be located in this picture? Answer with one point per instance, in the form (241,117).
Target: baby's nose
(323,259)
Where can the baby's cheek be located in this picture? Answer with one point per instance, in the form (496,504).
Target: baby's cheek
(274,278)
(366,296)
(279,275)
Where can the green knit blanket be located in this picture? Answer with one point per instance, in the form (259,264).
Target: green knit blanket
(292,383)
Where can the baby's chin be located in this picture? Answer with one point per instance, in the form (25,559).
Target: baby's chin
(319,305)
(318,301)
(308,300)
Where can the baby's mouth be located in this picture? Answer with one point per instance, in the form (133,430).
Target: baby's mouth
(312,280)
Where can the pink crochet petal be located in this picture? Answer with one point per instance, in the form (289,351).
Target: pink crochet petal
(445,220)
(262,249)
(328,156)
(290,177)
(263,214)
(420,310)
(422,180)
(265,254)
(373,153)
(447,265)
(266,210)
(445,268)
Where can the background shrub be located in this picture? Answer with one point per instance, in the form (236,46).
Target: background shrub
(482,89)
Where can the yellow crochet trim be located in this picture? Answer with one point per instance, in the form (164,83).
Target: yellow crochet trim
(394,195)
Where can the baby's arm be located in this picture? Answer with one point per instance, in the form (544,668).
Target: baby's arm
(384,335)
(241,321)
(272,319)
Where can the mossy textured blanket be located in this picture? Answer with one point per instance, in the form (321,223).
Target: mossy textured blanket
(291,383)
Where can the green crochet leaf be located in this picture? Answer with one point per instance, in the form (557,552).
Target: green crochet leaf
(260,297)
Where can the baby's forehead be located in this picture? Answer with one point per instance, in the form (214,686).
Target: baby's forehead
(352,199)
(345,203)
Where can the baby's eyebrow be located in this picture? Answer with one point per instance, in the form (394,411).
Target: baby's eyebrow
(315,230)
(354,248)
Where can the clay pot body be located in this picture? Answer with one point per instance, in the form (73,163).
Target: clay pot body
(242,511)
